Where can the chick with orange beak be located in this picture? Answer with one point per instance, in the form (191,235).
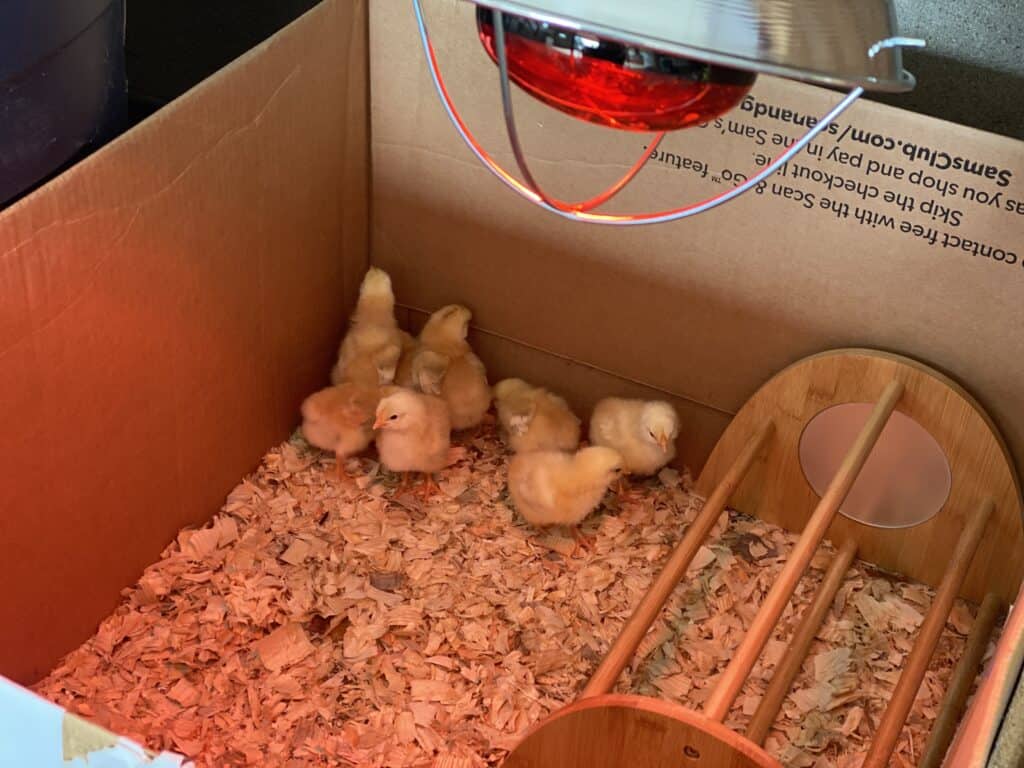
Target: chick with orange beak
(413,434)
(643,432)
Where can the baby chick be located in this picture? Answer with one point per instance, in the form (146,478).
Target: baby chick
(533,419)
(428,371)
(403,374)
(445,365)
(370,351)
(556,488)
(338,419)
(413,434)
(644,432)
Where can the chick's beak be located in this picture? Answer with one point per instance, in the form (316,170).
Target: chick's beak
(379,422)
(663,442)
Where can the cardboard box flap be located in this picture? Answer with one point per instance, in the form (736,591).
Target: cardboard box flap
(166,305)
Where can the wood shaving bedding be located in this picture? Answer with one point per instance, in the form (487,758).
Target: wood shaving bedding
(315,624)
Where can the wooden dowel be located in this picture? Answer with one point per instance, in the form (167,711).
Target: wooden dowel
(789,668)
(902,699)
(729,685)
(650,606)
(961,683)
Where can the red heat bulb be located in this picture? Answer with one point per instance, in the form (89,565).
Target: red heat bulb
(609,83)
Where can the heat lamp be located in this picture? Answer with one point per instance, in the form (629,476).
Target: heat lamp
(666,65)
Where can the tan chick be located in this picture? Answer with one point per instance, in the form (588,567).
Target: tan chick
(444,365)
(371,349)
(534,419)
(643,432)
(339,419)
(403,374)
(557,488)
(413,434)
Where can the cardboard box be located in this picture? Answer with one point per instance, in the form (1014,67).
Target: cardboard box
(168,302)
(166,305)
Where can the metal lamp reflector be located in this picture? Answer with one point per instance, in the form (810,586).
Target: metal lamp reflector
(662,65)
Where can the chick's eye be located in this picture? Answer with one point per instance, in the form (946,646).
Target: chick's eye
(392,417)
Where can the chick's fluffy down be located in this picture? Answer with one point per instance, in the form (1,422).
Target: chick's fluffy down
(370,352)
(464,388)
(445,365)
(403,373)
(340,418)
(555,488)
(644,432)
(534,419)
(413,432)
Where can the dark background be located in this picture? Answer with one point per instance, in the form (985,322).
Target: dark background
(972,72)
(171,46)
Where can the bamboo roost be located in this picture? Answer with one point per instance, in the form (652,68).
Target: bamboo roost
(756,463)
(787,671)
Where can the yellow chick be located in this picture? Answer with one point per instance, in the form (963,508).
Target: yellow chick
(413,434)
(371,349)
(403,374)
(643,432)
(428,371)
(338,419)
(556,488)
(445,365)
(534,419)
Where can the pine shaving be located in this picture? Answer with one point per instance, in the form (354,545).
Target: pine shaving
(316,624)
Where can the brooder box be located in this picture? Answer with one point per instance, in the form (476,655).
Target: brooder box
(170,301)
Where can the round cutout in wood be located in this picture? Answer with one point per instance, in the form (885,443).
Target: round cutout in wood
(905,481)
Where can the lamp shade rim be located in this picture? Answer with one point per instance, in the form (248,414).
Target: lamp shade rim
(769,47)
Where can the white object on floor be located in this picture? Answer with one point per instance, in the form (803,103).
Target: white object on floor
(36,732)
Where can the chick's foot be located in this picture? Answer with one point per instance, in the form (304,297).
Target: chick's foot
(404,485)
(428,487)
(625,492)
(586,543)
